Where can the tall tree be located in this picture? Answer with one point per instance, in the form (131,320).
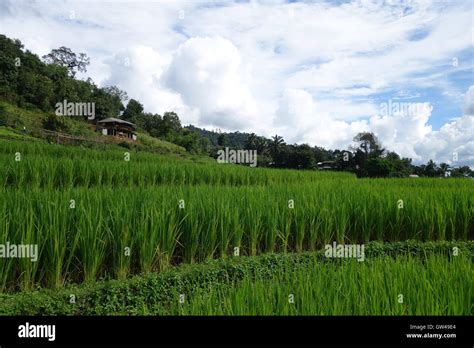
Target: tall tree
(222,140)
(444,169)
(275,146)
(133,111)
(117,92)
(64,56)
(369,144)
(170,123)
(431,169)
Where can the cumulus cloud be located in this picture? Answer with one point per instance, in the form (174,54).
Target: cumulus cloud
(309,71)
(203,80)
(209,75)
(454,142)
(301,118)
(406,131)
(402,130)
(139,71)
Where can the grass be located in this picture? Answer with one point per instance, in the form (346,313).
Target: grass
(429,286)
(434,282)
(14,121)
(127,219)
(88,242)
(96,217)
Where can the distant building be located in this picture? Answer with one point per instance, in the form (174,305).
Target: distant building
(413,176)
(117,128)
(327,165)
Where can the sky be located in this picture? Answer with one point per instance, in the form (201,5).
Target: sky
(315,72)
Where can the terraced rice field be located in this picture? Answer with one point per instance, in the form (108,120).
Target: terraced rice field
(108,215)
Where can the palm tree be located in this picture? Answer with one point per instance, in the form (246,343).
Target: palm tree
(275,145)
(444,168)
(251,142)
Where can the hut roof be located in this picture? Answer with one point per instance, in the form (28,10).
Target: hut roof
(116,120)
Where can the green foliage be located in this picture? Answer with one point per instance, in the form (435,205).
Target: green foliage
(225,206)
(55,123)
(370,288)
(378,167)
(203,284)
(133,111)
(64,57)
(30,83)
(222,140)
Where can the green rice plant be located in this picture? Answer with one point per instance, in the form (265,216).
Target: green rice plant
(53,224)
(135,204)
(433,285)
(94,237)
(122,228)
(252,217)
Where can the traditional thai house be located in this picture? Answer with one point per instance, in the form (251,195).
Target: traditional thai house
(117,128)
(325,165)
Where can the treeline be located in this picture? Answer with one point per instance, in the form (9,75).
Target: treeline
(167,127)
(30,82)
(366,159)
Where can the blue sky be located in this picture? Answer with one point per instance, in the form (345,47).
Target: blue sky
(316,72)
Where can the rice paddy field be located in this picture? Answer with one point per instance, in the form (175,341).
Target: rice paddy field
(100,215)
(372,288)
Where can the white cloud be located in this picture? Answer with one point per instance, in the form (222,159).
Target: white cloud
(406,132)
(301,118)
(139,70)
(310,71)
(209,75)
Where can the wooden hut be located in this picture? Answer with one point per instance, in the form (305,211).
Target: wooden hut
(117,128)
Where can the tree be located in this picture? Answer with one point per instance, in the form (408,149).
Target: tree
(431,169)
(36,90)
(401,167)
(255,142)
(368,147)
(186,138)
(151,123)
(377,167)
(345,160)
(443,169)
(106,105)
(170,123)
(222,140)
(63,56)
(301,157)
(117,92)
(369,144)
(275,145)
(251,142)
(464,171)
(133,111)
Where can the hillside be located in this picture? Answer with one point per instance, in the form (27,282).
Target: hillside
(33,125)
(234,139)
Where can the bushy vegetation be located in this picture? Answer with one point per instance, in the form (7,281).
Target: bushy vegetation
(31,83)
(346,288)
(211,286)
